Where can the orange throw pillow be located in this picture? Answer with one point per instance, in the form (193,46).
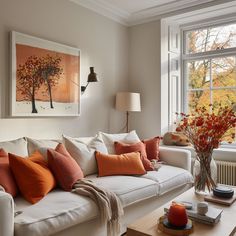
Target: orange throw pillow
(152,148)
(124,164)
(34,180)
(7,180)
(64,167)
(122,148)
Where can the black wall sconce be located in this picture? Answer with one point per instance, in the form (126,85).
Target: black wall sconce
(92,77)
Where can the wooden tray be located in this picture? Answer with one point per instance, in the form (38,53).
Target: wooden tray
(188,229)
(223,201)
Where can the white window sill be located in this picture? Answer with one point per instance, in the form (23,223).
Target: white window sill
(230,146)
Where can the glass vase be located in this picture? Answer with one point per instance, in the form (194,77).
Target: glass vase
(205,175)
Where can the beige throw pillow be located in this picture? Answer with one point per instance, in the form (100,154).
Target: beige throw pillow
(41,145)
(83,152)
(18,147)
(109,139)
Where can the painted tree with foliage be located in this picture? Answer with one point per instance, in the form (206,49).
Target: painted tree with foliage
(50,71)
(28,81)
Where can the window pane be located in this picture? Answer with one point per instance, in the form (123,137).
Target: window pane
(209,39)
(198,75)
(224,72)
(198,98)
(224,96)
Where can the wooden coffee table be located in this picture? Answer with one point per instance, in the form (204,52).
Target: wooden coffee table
(147,225)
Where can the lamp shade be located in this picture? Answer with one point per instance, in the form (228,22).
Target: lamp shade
(126,101)
(92,77)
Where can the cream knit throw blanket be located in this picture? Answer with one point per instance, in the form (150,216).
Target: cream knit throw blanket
(108,203)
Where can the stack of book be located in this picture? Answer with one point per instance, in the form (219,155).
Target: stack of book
(211,217)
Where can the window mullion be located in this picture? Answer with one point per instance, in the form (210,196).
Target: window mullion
(213,88)
(211,82)
(220,88)
(210,54)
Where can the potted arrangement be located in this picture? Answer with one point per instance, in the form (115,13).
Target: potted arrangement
(205,131)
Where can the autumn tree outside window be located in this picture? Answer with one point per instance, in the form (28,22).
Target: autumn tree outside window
(209,66)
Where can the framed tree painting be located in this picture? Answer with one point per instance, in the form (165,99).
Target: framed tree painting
(45,77)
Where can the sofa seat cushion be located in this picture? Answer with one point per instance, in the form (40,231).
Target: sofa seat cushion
(55,212)
(128,188)
(169,178)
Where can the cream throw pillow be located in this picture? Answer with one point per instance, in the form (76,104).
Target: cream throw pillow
(41,145)
(18,147)
(83,152)
(109,139)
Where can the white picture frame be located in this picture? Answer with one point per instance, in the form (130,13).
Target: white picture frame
(45,78)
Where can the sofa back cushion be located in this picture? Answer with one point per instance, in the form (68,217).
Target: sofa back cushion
(122,148)
(18,147)
(124,164)
(7,180)
(32,175)
(109,139)
(83,152)
(64,167)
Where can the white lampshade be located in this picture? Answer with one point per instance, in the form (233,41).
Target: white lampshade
(126,101)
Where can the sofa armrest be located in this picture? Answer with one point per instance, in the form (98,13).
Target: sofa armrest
(6,214)
(176,157)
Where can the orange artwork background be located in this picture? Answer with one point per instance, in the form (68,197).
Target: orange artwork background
(67,89)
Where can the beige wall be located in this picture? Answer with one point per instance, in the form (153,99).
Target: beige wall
(103,44)
(144,77)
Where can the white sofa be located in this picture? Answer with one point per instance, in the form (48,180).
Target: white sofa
(67,214)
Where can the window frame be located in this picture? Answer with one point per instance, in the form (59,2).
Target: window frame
(209,55)
(205,26)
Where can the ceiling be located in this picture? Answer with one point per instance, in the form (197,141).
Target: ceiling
(131,12)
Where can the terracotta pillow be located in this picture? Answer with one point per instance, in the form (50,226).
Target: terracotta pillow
(152,148)
(64,167)
(124,164)
(7,180)
(122,148)
(32,175)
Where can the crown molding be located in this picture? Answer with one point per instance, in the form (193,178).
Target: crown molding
(216,15)
(102,7)
(153,13)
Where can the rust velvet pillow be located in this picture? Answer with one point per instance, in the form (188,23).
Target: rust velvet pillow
(7,180)
(122,148)
(152,148)
(32,175)
(124,164)
(64,167)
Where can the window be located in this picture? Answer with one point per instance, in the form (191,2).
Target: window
(210,39)
(209,60)
(209,66)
